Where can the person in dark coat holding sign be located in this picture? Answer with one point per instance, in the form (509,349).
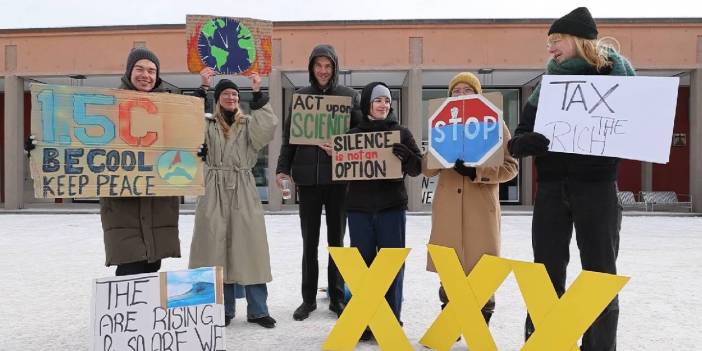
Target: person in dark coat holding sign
(376,208)
(575,190)
(310,168)
(140,231)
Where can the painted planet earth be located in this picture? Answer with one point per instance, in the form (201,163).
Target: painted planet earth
(226,45)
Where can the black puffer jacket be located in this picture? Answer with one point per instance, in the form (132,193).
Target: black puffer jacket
(309,164)
(373,196)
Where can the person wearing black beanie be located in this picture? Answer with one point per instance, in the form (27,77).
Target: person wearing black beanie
(140,231)
(573,190)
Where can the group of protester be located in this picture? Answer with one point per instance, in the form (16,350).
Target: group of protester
(572,190)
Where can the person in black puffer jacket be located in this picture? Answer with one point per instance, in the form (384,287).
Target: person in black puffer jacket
(575,190)
(310,168)
(376,208)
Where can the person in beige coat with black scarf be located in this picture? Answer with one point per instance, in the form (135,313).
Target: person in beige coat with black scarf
(466,207)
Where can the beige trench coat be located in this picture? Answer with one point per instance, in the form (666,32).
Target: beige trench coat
(230,230)
(465,214)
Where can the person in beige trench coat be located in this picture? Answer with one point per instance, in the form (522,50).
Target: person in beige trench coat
(230,229)
(466,211)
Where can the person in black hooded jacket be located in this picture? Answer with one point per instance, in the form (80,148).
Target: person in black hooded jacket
(376,208)
(575,190)
(310,168)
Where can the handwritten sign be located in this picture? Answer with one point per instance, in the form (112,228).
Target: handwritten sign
(115,143)
(316,119)
(180,310)
(229,45)
(627,117)
(365,156)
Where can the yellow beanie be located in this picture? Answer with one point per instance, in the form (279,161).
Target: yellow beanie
(468,78)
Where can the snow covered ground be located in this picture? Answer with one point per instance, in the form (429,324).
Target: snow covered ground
(48,262)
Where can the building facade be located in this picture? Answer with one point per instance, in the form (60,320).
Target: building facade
(416,58)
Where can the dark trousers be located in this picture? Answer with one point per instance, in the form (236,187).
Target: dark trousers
(137,267)
(312,198)
(371,232)
(593,209)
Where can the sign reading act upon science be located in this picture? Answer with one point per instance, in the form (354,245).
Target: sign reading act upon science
(115,143)
(316,119)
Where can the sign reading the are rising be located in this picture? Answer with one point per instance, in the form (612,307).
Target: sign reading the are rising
(178,310)
(115,143)
(627,117)
(316,119)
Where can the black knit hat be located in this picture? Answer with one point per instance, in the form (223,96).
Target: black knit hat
(139,54)
(224,84)
(578,22)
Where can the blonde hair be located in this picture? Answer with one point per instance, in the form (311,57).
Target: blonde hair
(594,51)
(219,117)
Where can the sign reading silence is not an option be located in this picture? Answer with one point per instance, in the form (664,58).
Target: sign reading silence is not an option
(115,143)
(365,156)
(465,127)
(627,117)
(316,119)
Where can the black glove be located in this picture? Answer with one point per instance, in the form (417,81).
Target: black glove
(463,170)
(401,151)
(29,145)
(202,152)
(528,144)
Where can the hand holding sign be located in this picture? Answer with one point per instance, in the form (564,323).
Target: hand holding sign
(528,144)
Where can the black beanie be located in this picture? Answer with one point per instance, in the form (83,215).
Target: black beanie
(139,54)
(224,84)
(578,22)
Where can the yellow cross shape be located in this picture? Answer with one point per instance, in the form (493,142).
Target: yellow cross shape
(368,306)
(559,323)
(466,296)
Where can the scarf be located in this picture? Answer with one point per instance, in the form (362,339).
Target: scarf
(620,66)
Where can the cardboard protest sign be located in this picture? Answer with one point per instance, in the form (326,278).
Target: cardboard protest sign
(316,119)
(229,45)
(627,117)
(115,143)
(366,156)
(179,310)
(469,144)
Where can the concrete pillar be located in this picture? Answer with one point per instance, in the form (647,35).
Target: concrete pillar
(275,90)
(413,120)
(14,132)
(646,176)
(526,164)
(695,138)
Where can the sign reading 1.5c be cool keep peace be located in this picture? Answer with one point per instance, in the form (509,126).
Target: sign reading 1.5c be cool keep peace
(316,119)
(115,143)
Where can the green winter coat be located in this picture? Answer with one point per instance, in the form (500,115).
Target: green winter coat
(230,230)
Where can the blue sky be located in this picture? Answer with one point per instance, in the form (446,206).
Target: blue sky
(78,13)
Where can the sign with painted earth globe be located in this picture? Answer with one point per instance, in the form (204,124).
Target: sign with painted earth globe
(465,127)
(226,45)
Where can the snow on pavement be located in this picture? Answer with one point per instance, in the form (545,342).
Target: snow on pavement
(49,261)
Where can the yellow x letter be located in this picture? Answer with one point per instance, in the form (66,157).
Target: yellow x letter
(467,295)
(368,306)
